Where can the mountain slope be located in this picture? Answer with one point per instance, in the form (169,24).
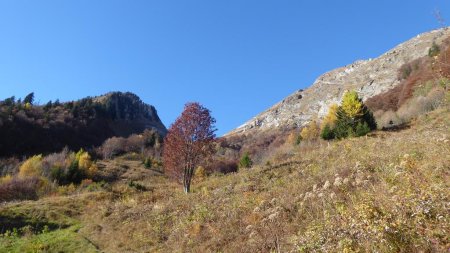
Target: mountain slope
(384,193)
(86,123)
(368,77)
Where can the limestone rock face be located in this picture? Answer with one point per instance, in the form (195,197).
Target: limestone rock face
(368,77)
(129,114)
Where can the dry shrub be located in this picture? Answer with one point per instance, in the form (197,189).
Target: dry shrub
(222,166)
(134,143)
(310,131)
(112,147)
(388,119)
(394,98)
(147,144)
(412,75)
(55,160)
(420,105)
(19,189)
(9,166)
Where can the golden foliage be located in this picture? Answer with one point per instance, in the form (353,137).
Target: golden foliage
(200,174)
(311,131)
(5,179)
(28,106)
(330,118)
(84,161)
(352,105)
(31,167)
(292,138)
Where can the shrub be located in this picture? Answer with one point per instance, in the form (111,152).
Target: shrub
(388,119)
(245,161)
(134,143)
(405,71)
(434,50)
(310,131)
(5,179)
(222,166)
(76,167)
(112,147)
(19,189)
(327,133)
(362,129)
(200,174)
(137,186)
(31,167)
(420,105)
(330,118)
(148,162)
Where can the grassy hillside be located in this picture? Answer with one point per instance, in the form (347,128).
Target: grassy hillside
(387,192)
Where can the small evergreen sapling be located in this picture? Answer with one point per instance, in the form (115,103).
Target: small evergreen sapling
(245,161)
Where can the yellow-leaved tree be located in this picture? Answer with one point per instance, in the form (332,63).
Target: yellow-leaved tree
(310,131)
(85,163)
(330,118)
(352,105)
(31,167)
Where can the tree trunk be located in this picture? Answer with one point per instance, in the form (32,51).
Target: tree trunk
(187,180)
(187,187)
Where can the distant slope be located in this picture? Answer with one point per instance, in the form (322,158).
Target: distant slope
(78,124)
(368,77)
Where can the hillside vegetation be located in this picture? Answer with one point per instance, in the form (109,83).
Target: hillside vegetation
(387,192)
(29,129)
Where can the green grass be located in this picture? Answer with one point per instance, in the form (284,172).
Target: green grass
(48,225)
(60,240)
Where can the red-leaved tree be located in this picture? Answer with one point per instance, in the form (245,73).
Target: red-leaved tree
(188,142)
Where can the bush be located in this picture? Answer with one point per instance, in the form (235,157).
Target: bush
(422,104)
(75,168)
(245,161)
(362,129)
(388,120)
(222,166)
(148,162)
(31,167)
(19,189)
(200,174)
(310,131)
(434,50)
(327,133)
(112,147)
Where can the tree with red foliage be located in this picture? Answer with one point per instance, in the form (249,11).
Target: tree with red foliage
(188,142)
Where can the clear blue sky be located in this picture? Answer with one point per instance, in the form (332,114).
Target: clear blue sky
(237,57)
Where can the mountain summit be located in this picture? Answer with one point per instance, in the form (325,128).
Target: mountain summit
(368,77)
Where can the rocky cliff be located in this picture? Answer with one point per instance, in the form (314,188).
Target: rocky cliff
(369,77)
(85,123)
(129,114)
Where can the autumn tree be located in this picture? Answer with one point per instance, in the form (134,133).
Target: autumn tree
(188,142)
(29,99)
(330,118)
(310,131)
(353,118)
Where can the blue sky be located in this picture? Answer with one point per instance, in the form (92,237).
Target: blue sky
(236,57)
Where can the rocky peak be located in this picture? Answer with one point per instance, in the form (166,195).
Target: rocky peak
(368,77)
(129,108)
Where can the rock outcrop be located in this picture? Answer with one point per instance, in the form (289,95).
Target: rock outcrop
(368,77)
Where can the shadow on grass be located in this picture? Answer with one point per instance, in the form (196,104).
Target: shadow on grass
(8,223)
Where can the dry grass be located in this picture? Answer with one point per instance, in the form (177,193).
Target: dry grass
(387,192)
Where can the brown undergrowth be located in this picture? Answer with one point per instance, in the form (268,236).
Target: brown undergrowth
(387,192)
